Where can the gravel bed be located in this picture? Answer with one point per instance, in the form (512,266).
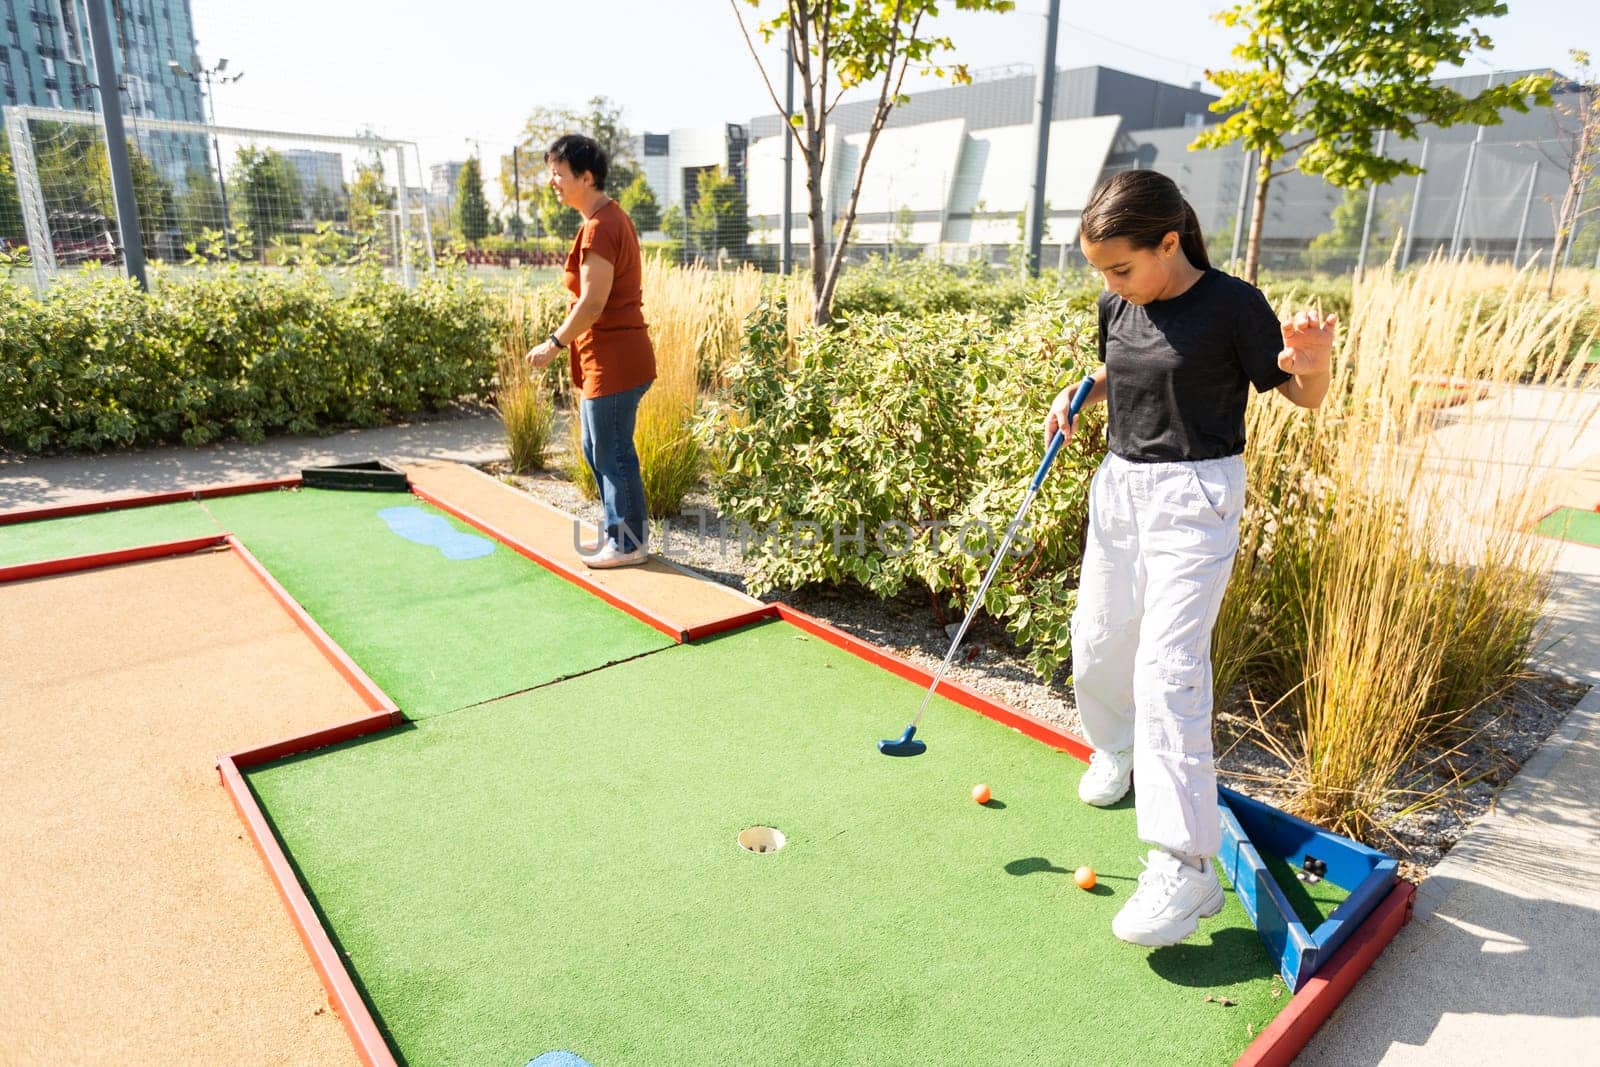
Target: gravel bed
(1498,742)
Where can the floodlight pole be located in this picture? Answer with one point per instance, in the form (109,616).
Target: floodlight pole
(105,67)
(1043,102)
(516,191)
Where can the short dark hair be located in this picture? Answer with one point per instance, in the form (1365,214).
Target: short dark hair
(582,155)
(1143,206)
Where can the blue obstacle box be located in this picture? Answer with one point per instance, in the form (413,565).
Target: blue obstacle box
(1250,828)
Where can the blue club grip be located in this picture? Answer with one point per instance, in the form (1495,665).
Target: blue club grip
(1078,400)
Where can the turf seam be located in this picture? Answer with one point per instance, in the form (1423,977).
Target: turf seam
(545,685)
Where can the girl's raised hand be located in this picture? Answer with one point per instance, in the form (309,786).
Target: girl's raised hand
(1308,343)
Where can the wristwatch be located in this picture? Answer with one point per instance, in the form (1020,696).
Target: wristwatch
(556,341)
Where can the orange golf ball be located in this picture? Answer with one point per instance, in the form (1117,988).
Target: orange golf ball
(981,794)
(1084,876)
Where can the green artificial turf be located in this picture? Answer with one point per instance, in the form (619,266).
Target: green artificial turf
(1572,524)
(436,634)
(103,531)
(559,870)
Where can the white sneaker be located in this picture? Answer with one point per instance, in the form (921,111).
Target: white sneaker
(1171,900)
(612,556)
(1107,779)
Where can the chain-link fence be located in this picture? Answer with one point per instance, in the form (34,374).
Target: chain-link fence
(208,194)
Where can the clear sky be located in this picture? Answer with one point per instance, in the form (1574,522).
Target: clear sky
(451,75)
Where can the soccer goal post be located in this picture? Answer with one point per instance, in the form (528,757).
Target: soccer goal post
(212,194)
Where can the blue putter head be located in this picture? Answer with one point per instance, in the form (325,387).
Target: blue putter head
(906,746)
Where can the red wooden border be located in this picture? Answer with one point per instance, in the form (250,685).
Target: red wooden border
(119,503)
(343,996)
(616,600)
(733,622)
(1286,1035)
(68,564)
(967,698)
(375,698)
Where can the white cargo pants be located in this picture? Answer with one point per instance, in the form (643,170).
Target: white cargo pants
(1160,547)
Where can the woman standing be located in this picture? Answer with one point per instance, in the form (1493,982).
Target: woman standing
(1183,345)
(612,360)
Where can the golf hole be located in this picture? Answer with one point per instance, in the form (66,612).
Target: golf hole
(760,839)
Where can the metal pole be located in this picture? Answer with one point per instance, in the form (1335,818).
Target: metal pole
(404,217)
(1416,206)
(1527,202)
(1461,204)
(1238,218)
(105,66)
(1466,184)
(786,246)
(1366,224)
(516,191)
(222,186)
(1043,102)
(427,213)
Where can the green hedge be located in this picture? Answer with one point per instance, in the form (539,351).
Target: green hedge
(95,364)
(867,458)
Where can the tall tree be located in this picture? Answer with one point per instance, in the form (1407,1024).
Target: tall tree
(639,201)
(1583,153)
(836,46)
(11,228)
(472,211)
(266,187)
(720,221)
(1318,81)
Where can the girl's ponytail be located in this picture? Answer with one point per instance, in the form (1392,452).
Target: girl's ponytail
(1192,240)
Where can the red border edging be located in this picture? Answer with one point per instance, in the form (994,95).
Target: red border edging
(1286,1035)
(69,564)
(616,600)
(343,996)
(119,503)
(375,698)
(733,622)
(967,698)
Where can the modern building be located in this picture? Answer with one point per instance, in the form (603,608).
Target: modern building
(322,188)
(951,172)
(442,178)
(46,61)
(673,162)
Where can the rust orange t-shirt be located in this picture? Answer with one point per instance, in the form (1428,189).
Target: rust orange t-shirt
(615,354)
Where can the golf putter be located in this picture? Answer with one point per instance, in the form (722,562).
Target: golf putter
(907,744)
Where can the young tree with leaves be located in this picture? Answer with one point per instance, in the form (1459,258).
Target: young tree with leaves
(472,211)
(639,201)
(266,187)
(720,220)
(11,228)
(1319,81)
(1583,154)
(369,194)
(835,46)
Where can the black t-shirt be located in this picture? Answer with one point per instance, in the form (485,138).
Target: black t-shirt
(1178,371)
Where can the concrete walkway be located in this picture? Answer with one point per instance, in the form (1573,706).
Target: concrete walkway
(1500,963)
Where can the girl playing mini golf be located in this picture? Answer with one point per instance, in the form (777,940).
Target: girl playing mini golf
(1182,345)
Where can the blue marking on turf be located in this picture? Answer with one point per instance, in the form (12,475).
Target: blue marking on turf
(417,525)
(559,1058)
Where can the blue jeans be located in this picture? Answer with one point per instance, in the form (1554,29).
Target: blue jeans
(607,423)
